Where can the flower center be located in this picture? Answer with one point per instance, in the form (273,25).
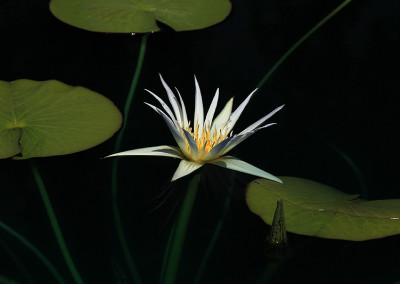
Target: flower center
(206,140)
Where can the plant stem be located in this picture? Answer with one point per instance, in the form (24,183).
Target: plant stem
(213,241)
(273,266)
(269,271)
(180,231)
(217,230)
(167,252)
(114,171)
(131,92)
(54,223)
(301,40)
(35,251)
(6,247)
(349,161)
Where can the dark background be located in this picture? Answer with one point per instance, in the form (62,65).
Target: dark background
(340,89)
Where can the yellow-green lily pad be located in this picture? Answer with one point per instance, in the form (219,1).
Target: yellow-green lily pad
(315,209)
(48,118)
(140,16)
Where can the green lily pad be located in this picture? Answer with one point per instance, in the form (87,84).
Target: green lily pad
(140,16)
(48,118)
(315,209)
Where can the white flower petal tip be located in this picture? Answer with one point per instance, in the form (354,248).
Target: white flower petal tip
(163,151)
(236,164)
(261,120)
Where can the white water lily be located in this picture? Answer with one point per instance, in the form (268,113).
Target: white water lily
(208,140)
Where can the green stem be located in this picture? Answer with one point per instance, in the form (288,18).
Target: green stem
(114,171)
(272,267)
(213,241)
(166,253)
(16,260)
(269,272)
(301,40)
(54,223)
(217,230)
(349,161)
(131,92)
(35,251)
(180,231)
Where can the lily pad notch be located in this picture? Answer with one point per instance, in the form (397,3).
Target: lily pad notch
(49,118)
(140,16)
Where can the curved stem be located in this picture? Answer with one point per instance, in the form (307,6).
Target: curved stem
(214,239)
(272,267)
(35,251)
(166,253)
(180,231)
(54,223)
(114,170)
(301,40)
(217,230)
(131,92)
(349,161)
(269,272)
(16,260)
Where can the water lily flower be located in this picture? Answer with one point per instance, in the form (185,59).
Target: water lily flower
(207,140)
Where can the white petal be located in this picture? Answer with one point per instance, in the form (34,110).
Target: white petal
(260,121)
(216,151)
(177,136)
(174,102)
(163,104)
(240,138)
(198,110)
(236,114)
(194,151)
(184,114)
(233,163)
(164,151)
(156,109)
(211,110)
(185,168)
(222,118)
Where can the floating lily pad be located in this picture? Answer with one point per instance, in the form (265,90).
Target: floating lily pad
(140,16)
(315,209)
(49,118)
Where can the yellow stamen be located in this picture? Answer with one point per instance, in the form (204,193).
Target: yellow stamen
(205,142)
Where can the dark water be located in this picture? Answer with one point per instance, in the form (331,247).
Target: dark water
(340,88)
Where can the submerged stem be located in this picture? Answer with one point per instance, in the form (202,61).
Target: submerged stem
(17,261)
(132,89)
(114,170)
(272,267)
(166,253)
(300,41)
(35,251)
(180,230)
(54,223)
(217,231)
